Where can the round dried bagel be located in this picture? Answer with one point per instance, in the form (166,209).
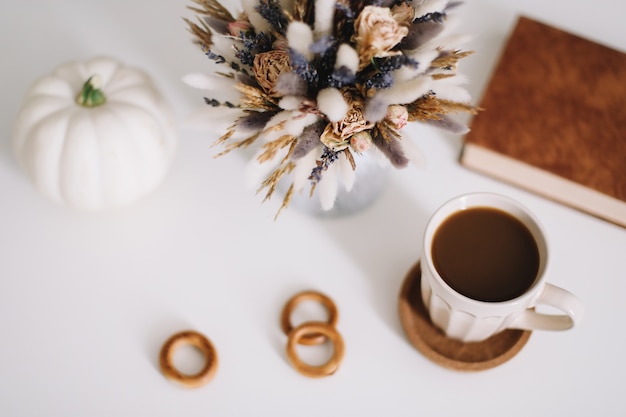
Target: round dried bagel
(313,328)
(198,340)
(309,338)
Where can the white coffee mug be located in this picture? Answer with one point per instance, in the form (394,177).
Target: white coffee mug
(470,320)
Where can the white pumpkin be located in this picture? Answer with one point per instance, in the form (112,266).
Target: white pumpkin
(95,135)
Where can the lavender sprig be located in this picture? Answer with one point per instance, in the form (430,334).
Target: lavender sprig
(326,160)
(342,77)
(303,68)
(383,78)
(379,81)
(219,59)
(216,103)
(428,17)
(346,29)
(322,45)
(252,44)
(272,11)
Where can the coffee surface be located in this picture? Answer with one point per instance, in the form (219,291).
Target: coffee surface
(485,254)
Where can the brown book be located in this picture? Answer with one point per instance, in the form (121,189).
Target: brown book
(554,120)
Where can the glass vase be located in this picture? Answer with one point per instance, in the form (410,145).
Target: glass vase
(371,177)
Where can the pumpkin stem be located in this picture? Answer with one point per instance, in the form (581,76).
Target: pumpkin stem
(91,95)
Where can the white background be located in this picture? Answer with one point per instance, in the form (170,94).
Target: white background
(86,300)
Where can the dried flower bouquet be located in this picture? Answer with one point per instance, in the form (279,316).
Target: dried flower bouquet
(320,82)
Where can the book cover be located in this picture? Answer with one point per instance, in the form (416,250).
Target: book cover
(554,120)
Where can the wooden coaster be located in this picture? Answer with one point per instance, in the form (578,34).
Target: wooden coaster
(450,353)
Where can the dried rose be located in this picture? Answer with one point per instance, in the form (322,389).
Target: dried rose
(268,66)
(361,141)
(397,115)
(238,26)
(353,121)
(337,135)
(333,140)
(377,32)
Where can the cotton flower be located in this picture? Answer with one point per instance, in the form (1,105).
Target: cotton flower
(331,102)
(299,37)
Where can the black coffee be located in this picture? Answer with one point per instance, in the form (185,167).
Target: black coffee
(485,254)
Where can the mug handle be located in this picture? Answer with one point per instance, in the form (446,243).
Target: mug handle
(553,296)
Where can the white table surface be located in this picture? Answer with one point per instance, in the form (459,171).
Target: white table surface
(86,300)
